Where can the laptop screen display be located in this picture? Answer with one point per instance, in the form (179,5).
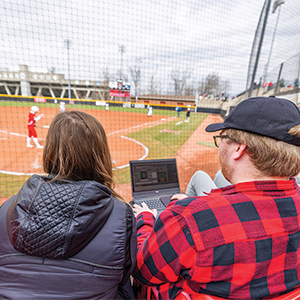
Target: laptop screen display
(151,175)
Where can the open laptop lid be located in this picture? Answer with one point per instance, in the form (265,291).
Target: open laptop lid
(154,178)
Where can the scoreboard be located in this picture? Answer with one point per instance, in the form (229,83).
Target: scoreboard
(119,89)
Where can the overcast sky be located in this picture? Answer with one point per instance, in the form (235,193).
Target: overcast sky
(205,36)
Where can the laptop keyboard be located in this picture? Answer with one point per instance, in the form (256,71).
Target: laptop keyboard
(153,203)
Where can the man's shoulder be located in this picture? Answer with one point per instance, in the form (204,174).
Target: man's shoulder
(200,203)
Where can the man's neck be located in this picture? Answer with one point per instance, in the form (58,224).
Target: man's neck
(254,175)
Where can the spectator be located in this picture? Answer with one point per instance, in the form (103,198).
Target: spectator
(270,85)
(68,235)
(281,83)
(201,184)
(240,241)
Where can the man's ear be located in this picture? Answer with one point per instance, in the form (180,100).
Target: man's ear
(239,151)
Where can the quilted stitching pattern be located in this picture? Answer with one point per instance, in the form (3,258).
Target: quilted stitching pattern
(42,231)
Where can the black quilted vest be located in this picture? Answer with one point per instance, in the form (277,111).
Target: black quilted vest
(55,270)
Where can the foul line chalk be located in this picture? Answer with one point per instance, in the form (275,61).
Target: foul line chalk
(13,133)
(139,143)
(124,137)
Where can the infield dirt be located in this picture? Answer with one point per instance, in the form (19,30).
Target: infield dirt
(195,154)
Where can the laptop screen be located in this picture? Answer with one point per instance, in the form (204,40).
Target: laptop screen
(152,175)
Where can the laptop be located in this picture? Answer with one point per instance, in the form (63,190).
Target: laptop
(154,182)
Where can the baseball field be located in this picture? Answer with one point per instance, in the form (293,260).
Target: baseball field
(131,136)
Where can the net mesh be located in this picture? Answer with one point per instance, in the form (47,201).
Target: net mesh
(117,59)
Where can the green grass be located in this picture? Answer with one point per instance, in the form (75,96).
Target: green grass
(208,144)
(122,175)
(160,144)
(163,144)
(10,184)
(165,112)
(26,104)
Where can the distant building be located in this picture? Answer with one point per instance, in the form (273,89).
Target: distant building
(25,83)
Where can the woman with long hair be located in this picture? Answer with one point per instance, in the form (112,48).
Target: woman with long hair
(68,235)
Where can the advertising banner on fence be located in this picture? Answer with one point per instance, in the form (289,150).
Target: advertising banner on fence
(127,104)
(100,103)
(138,105)
(40,100)
(118,93)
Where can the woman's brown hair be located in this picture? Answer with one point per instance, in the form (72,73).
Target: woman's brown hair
(76,148)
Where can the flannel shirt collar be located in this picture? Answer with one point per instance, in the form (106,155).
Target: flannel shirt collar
(288,186)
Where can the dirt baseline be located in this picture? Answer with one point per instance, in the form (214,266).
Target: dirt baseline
(18,159)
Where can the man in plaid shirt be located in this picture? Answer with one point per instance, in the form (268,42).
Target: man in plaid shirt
(240,241)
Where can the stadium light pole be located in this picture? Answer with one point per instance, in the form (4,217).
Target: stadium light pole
(139,61)
(121,50)
(256,46)
(68,43)
(276,4)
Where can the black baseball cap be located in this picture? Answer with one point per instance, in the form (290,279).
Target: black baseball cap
(267,116)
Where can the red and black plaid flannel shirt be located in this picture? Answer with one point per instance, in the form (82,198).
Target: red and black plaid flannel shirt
(239,242)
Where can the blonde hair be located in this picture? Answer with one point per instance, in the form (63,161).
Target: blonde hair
(270,156)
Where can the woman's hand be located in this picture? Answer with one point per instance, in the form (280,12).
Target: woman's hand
(137,209)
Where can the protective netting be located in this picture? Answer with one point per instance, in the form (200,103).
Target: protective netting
(286,75)
(118,60)
(257,44)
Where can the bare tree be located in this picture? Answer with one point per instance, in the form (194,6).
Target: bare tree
(125,78)
(189,90)
(106,75)
(213,85)
(201,87)
(135,73)
(153,88)
(180,78)
(224,87)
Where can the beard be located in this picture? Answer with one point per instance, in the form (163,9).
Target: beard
(226,169)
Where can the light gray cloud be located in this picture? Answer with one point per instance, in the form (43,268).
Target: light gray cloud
(209,36)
